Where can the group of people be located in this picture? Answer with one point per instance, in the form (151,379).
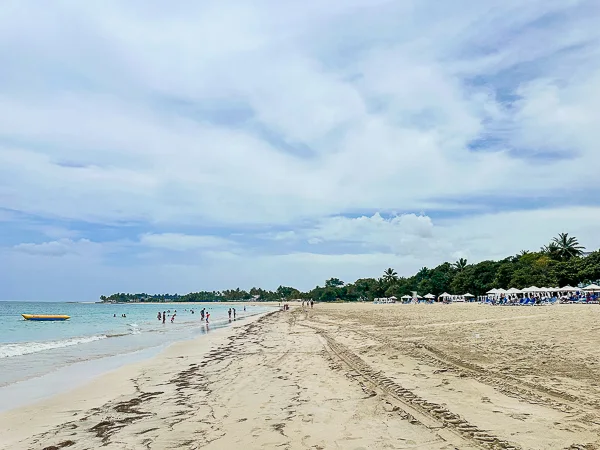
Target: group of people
(204,315)
(163,316)
(308,303)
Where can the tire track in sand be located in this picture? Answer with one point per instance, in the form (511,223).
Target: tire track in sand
(448,425)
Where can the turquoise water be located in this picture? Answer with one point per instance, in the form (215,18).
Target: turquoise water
(30,349)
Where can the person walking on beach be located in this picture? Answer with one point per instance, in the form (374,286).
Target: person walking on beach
(202,314)
(312,303)
(229,314)
(207,316)
(244,308)
(164,316)
(233,313)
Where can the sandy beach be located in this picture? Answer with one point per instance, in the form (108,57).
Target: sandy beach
(346,376)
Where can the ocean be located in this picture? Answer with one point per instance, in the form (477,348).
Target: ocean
(31,352)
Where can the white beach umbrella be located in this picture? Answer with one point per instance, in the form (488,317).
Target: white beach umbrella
(430,296)
(405,297)
(468,295)
(568,289)
(592,287)
(492,291)
(445,295)
(513,291)
(393,298)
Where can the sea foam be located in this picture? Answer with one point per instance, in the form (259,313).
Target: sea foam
(25,348)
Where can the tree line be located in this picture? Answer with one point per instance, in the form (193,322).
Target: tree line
(561,262)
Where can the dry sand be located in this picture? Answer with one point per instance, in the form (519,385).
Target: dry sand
(347,377)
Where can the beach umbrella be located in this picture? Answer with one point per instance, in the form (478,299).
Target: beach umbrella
(592,287)
(393,298)
(568,289)
(492,291)
(468,295)
(405,297)
(430,296)
(531,289)
(513,291)
(445,295)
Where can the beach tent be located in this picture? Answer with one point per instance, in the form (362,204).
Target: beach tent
(467,295)
(406,297)
(592,287)
(532,289)
(430,296)
(445,295)
(393,298)
(513,291)
(492,291)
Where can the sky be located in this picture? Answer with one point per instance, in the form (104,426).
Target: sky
(153,146)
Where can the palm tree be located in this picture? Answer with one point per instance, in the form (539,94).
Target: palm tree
(390,275)
(567,247)
(551,249)
(460,264)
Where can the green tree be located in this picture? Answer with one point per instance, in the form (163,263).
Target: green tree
(460,264)
(390,275)
(334,282)
(567,247)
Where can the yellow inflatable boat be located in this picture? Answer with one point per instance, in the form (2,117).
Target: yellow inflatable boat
(45,317)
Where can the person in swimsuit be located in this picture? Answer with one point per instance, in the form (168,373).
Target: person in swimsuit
(164,316)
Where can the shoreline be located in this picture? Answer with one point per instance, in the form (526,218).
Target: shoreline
(102,387)
(349,377)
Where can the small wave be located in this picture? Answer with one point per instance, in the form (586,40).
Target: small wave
(25,348)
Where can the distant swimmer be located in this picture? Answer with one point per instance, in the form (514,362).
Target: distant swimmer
(114,315)
(244,308)
(173,317)
(159,316)
(164,316)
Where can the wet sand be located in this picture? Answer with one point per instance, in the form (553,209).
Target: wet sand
(347,377)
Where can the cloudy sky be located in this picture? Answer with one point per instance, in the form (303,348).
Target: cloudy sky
(177,146)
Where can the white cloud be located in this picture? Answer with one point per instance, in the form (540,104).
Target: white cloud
(182,242)
(239,117)
(62,247)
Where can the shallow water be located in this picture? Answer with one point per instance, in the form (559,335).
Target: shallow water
(31,349)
